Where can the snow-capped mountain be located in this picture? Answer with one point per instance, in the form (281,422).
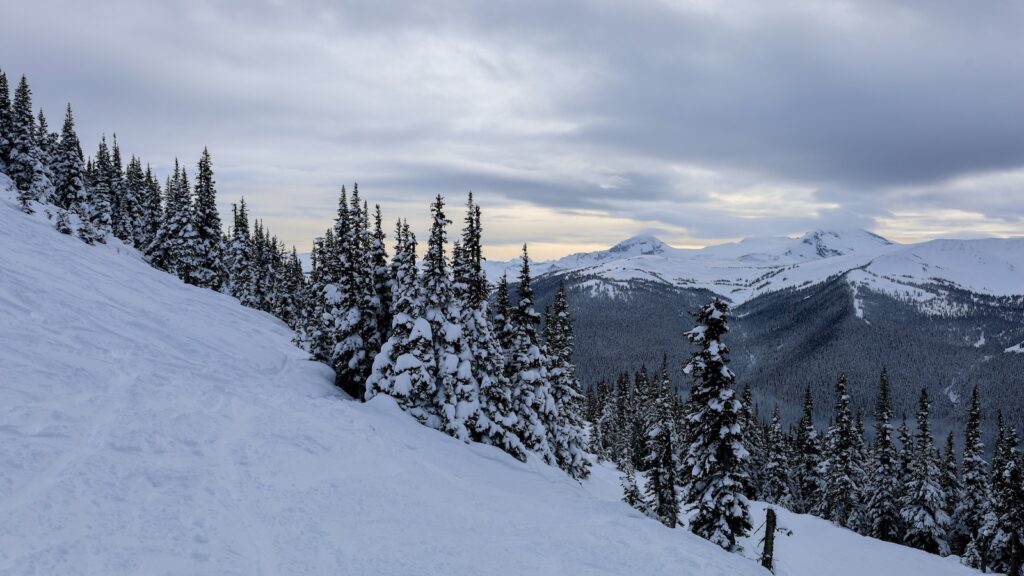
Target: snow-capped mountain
(743,270)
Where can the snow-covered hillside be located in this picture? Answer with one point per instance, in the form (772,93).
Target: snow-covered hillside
(742,270)
(148,427)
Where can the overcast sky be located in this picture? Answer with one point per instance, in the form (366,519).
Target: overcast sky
(575,123)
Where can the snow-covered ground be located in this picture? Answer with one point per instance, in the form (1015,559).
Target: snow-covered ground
(152,428)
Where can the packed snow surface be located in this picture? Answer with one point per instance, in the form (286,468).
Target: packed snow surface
(743,270)
(152,428)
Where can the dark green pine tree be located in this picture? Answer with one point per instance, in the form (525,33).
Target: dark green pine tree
(122,202)
(777,480)
(807,456)
(343,298)
(46,145)
(169,249)
(152,210)
(662,500)
(623,408)
(5,121)
(502,319)
(715,458)
(21,153)
(644,418)
(1002,527)
(924,504)
(949,477)
(973,504)
(208,270)
(841,469)
(238,255)
(98,182)
(885,487)
(380,275)
(135,190)
(69,178)
(753,441)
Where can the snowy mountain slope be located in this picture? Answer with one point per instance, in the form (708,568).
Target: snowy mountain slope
(148,427)
(744,270)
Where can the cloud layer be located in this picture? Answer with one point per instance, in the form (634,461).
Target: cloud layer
(575,122)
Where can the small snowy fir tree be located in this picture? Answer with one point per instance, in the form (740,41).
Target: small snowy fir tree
(23,154)
(208,250)
(840,469)
(969,514)
(456,402)
(495,421)
(5,121)
(663,502)
(122,202)
(777,480)
(807,455)
(630,491)
(405,367)
(715,456)
(1002,528)
(343,297)
(923,508)
(503,316)
(566,437)
(753,440)
(531,391)
(238,253)
(885,489)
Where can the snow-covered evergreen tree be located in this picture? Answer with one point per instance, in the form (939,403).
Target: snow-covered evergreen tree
(923,507)
(207,251)
(567,436)
(343,298)
(885,489)
(238,255)
(1003,527)
(405,367)
(840,469)
(753,440)
(973,504)
(531,390)
(457,402)
(122,202)
(630,490)
(151,210)
(662,499)
(503,316)
(807,457)
(777,486)
(5,121)
(170,249)
(22,154)
(715,456)
(496,420)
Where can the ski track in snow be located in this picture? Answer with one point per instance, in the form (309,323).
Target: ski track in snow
(151,428)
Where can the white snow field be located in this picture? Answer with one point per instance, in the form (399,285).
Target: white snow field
(152,428)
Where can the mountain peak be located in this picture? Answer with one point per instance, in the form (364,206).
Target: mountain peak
(827,243)
(640,244)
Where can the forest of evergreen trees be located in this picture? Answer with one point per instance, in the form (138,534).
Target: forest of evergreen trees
(487,367)
(712,451)
(422,332)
